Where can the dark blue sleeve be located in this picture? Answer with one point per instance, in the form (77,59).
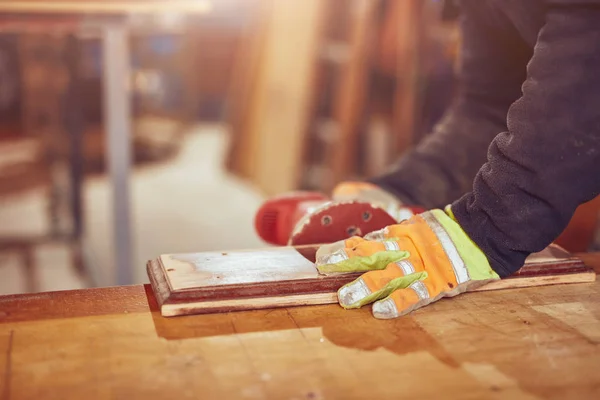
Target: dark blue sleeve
(547,161)
(491,68)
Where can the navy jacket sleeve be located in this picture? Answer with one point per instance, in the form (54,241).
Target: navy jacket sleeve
(491,68)
(547,161)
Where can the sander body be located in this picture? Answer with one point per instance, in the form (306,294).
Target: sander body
(306,217)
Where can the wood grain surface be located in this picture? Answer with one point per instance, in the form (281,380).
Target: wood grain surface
(209,282)
(112,343)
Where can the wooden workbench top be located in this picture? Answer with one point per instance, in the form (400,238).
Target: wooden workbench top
(111,343)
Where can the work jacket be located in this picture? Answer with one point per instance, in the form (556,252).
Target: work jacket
(519,149)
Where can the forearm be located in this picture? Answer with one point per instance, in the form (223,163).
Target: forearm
(442,167)
(491,70)
(547,161)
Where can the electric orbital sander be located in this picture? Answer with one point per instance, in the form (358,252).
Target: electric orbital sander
(306,217)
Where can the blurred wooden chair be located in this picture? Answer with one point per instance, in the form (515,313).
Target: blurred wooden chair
(53,160)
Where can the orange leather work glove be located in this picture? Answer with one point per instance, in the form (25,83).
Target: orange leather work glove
(408,265)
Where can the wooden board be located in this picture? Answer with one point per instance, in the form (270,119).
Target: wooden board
(210,282)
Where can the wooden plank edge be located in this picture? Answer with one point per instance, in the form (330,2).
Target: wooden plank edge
(158,282)
(534,281)
(247,304)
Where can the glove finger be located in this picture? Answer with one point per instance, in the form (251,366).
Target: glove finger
(367,284)
(365,248)
(353,242)
(402,302)
(379,235)
(340,263)
(381,284)
(357,246)
(337,251)
(365,255)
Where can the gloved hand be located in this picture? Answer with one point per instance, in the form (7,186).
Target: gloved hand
(408,265)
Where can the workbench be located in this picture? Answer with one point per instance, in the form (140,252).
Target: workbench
(112,343)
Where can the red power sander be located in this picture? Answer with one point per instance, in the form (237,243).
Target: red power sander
(304,217)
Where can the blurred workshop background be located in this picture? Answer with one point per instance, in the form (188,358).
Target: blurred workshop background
(127,135)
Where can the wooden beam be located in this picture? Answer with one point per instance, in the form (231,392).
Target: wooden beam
(406,98)
(277,95)
(350,97)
